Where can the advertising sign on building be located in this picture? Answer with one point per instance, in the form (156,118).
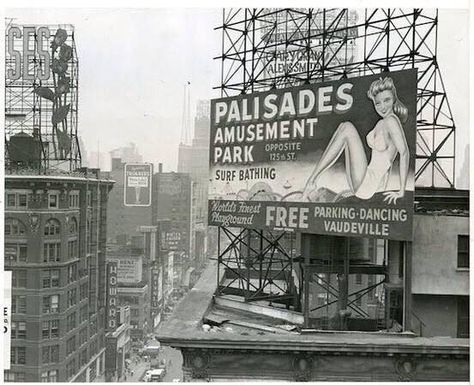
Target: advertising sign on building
(156,287)
(111,298)
(171,240)
(129,269)
(282,59)
(29,50)
(137,184)
(333,158)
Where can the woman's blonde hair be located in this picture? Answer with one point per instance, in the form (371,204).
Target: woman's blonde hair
(386,84)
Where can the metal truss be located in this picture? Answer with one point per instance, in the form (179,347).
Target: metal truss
(273,48)
(256,265)
(46,110)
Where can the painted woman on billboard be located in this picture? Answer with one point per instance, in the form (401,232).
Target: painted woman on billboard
(386,141)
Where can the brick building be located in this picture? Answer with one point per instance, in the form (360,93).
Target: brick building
(55,234)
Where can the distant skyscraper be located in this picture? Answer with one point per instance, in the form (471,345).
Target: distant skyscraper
(194,160)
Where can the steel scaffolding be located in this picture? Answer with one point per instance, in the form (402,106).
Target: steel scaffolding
(270,48)
(44,110)
(274,48)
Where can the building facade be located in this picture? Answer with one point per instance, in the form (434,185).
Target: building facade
(137,298)
(439,267)
(194,160)
(55,232)
(123,222)
(172,209)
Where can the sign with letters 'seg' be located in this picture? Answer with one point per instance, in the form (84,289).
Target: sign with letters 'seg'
(137,184)
(333,158)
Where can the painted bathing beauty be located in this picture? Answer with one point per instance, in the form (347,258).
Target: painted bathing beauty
(386,140)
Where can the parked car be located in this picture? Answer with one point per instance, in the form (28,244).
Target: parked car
(157,375)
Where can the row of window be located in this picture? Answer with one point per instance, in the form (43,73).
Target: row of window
(50,278)
(50,303)
(18,252)
(10,376)
(50,328)
(52,227)
(19,200)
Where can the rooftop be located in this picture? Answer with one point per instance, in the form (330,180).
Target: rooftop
(82,174)
(201,320)
(441,201)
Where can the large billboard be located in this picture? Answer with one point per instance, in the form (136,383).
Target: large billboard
(332,158)
(137,184)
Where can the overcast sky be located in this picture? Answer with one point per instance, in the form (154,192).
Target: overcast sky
(134,64)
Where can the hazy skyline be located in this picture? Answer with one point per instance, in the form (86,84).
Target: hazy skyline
(133,64)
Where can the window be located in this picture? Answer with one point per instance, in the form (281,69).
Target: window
(134,313)
(52,227)
(83,359)
(52,252)
(83,291)
(71,297)
(71,345)
(10,376)
(15,252)
(18,304)
(50,354)
(49,376)
(463,251)
(50,329)
(73,225)
(11,200)
(93,348)
(18,330)
(17,355)
(72,249)
(17,200)
(71,368)
(53,200)
(83,314)
(50,278)
(72,273)
(74,199)
(19,278)
(358,279)
(83,336)
(22,200)
(51,304)
(93,326)
(14,227)
(71,321)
